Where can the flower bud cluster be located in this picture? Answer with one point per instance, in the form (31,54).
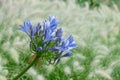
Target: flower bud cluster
(47,40)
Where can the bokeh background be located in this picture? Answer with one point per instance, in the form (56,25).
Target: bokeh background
(95,25)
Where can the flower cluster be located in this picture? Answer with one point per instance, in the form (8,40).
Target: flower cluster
(47,41)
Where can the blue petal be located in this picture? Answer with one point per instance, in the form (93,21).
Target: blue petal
(27,27)
(39,49)
(36,30)
(67,44)
(45,25)
(21,28)
(70,38)
(53,22)
(59,33)
(47,36)
(67,54)
(73,45)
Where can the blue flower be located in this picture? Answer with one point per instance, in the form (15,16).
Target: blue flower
(48,35)
(66,45)
(27,27)
(29,30)
(39,49)
(48,39)
(67,54)
(53,23)
(49,28)
(59,33)
(36,29)
(59,56)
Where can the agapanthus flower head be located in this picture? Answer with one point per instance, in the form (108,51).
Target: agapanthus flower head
(47,40)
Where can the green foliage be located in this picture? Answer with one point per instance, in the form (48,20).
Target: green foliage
(116,73)
(91,3)
(95,3)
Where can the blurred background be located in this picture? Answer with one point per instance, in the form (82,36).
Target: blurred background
(95,25)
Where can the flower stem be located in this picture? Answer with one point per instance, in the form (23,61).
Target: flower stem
(24,70)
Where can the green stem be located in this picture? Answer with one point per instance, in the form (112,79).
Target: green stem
(22,72)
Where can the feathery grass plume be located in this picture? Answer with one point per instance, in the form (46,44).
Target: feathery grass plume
(92,29)
(3,71)
(67,70)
